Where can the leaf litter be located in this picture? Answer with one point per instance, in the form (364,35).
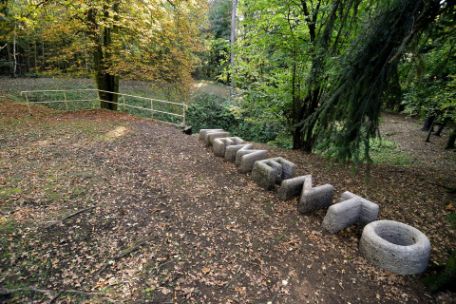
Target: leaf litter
(116,208)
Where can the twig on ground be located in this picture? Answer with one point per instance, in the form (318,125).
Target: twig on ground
(77,212)
(53,295)
(9,292)
(123,253)
(70,216)
(131,249)
(161,265)
(235,277)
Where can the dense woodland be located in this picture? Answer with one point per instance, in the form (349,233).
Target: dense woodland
(310,75)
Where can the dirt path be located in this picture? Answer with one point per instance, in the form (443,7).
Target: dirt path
(406,132)
(165,221)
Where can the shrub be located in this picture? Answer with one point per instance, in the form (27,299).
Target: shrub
(210,111)
(213,111)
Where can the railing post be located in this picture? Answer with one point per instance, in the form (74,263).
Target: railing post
(152,108)
(96,101)
(123,103)
(66,102)
(28,103)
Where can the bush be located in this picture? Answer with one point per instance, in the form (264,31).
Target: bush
(208,111)
(257,131)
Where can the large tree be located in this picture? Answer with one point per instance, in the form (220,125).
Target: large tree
(110,39)
(349,115)
(288,49)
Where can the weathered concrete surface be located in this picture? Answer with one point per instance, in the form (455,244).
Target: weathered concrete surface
(219,144)
(208,135)
(395,246)
(291,187)
(230,151)
(203,133)
(246,158)
(269,172)
(211,136)
(369,210)
(312,198)
(350,210)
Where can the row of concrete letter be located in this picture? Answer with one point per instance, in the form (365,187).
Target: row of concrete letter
(277,172)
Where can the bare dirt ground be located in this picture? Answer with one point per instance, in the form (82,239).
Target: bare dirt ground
(406,132)
(100,207)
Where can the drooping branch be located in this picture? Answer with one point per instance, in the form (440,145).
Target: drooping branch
(349,117)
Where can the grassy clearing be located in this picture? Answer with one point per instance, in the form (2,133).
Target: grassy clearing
(133,87)
(82,100)
(388,152)
(381,151)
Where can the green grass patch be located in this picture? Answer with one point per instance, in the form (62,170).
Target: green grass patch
(451,218)
(388,152)
(380,151)
(7,227)
(6,193)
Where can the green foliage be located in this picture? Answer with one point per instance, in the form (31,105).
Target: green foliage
(451,218)
(429,73)
(220,18)
(387,152)
(282,140)
(7,227)
(5,193)
(258,131)
(381,152)
(445,276)
(350,114)
(261,117)
(214,60)
(210,111)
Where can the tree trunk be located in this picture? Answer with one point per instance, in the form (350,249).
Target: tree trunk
(428,122)
(43,55)
(232,42)
(441,127)
(14,53)
(35,60)
(394,93)
(107,82)
(310,104)
(296,111)
(451,140)
(431,128)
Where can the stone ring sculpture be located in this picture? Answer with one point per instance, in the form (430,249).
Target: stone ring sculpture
(395,246)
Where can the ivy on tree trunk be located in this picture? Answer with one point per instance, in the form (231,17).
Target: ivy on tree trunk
(107,82)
